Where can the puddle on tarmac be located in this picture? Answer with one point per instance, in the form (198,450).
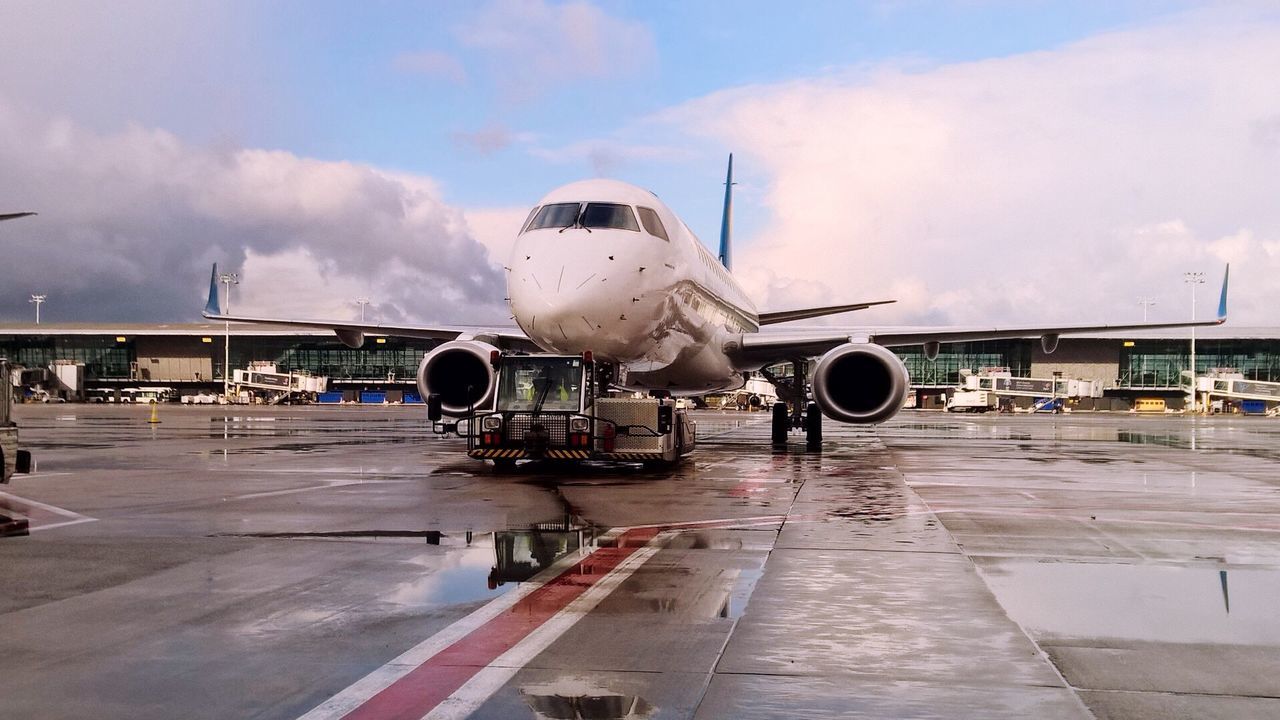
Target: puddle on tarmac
(1191,604)
(583,698)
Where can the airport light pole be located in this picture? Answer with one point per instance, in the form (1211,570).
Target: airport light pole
(37,299)
(227,279)
(362,301)
(1193,279)
(1146,303)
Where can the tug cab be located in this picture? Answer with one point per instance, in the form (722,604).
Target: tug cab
(12,460)
(561,407)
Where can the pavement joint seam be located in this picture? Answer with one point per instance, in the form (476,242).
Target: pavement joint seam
(1044,656)
(715,665)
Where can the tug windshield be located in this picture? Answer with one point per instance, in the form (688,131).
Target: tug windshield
(540,383)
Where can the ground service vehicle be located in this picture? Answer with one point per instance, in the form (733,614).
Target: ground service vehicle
(971,401)
(12,460)
(556,407)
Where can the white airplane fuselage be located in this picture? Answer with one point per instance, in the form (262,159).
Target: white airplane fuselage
(662,309)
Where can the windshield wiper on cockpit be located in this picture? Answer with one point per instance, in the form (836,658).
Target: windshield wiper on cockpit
(577,221)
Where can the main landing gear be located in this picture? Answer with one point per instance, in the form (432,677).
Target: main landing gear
(802,413)
(810,420)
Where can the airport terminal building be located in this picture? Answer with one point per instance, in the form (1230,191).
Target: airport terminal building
(190,358)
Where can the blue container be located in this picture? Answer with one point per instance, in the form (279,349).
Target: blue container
(329,397)
(412,397)
(1253,407)
(376,397)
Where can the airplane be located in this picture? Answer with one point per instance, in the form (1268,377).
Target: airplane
(607,267)
(14,216)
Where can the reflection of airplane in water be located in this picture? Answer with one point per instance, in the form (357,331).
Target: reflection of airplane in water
(606,267)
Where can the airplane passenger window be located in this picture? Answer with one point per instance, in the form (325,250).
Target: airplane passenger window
(652,223)
(609,215)
(556,215)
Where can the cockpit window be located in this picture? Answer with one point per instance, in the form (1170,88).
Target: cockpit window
(609,215)
(652,223)
(556,215)
(529,220)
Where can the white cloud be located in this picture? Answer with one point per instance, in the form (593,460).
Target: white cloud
(496,229)
(534,46)
(131,221)
(1055,185)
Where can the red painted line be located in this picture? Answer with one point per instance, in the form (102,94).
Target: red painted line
(426,686)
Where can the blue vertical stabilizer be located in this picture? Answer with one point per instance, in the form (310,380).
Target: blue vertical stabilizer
(211,307)
(726,222)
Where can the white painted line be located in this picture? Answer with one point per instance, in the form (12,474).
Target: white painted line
(23,505)
(382,678)
(490,679)
(47,508)
(62,524)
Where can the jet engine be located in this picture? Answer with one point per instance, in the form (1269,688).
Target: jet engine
(860,383)
(460,373)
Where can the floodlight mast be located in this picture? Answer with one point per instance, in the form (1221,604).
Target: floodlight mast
(362,301)
(38,300)
(227,279)
(1193,279)
(1147,303)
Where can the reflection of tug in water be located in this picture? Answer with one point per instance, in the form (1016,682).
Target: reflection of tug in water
(581,699)
(521,554)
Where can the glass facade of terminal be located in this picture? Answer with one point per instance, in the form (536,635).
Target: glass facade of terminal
(103,357)
(945,370)
(1142,363)
(394,360)
(1158,363)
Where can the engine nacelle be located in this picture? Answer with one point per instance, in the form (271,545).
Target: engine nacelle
(860,383)
(460,373)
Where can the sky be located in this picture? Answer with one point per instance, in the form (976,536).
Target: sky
(979,161)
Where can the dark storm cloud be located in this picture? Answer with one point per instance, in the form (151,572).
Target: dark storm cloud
(130,222)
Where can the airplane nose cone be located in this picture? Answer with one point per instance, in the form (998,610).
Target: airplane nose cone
(564,305)
(576,291)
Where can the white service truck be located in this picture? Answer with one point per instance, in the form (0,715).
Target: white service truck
(12,460)
(556,407)
(971,401)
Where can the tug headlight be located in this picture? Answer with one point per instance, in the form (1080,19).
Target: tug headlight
(579,424)
(491,423)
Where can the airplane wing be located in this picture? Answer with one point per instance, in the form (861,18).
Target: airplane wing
(14,216)
(352,334)
(781,316)
(785,345)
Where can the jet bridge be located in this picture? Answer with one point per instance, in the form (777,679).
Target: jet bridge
(1002,382)
(1228,384)
(982,391)
(277,386)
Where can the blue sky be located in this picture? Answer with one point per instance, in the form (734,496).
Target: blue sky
(347,101)
(890,140)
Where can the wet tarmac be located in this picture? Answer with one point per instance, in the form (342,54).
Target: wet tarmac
(342,562)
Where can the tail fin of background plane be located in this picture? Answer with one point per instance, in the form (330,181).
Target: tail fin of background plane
(211,307)
(726,222)
(1222,299)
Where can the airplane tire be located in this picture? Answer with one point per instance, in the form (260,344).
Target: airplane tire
(781,423)
(813,426)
